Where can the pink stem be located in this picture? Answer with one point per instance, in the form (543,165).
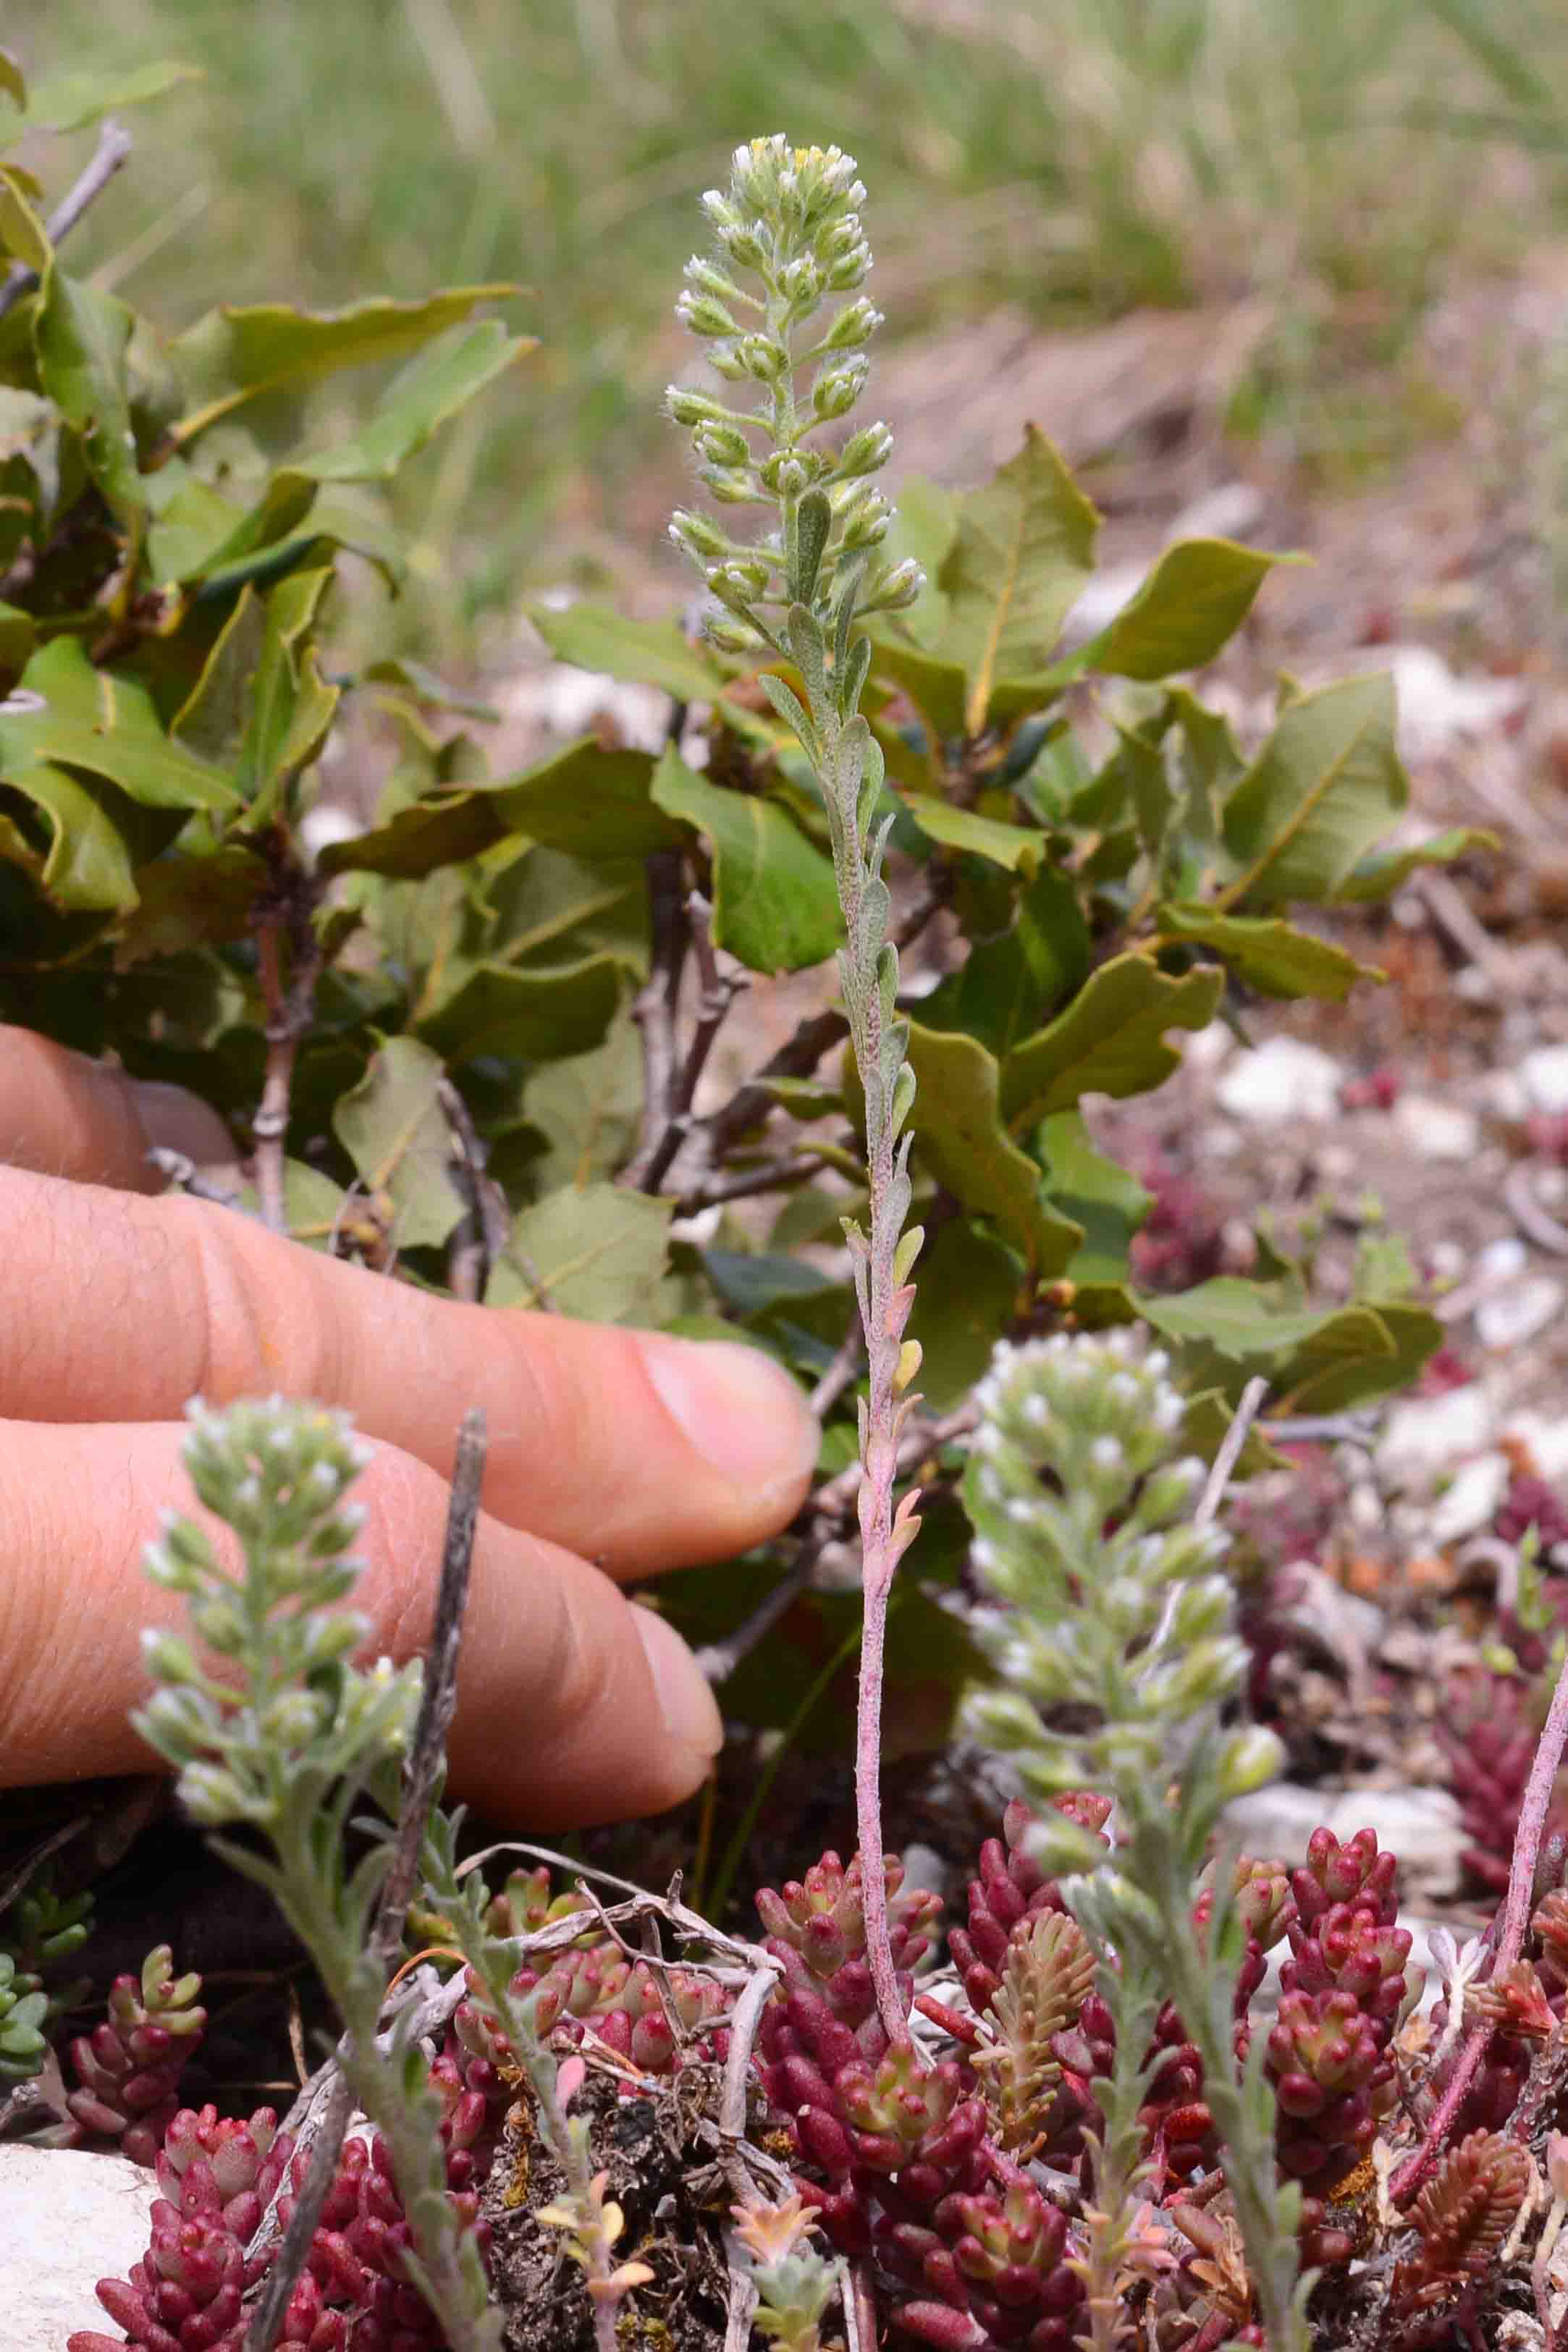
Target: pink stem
(1517,1906)
(877,1580)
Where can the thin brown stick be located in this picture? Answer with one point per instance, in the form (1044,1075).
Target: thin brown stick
(438,1699)
(825,1518)
(799,1055)
(655,1007)
(481,1236)
(286,2266)
(1229,1454)
(113,147)
(847,1360)
(772,1176)
(720,981)
(802,1049)
(284,910)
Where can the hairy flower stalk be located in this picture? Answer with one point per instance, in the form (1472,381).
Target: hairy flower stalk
(789,222)
(1076,1437)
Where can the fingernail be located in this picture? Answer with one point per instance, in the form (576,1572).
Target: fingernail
(738,1408)
(690,1710)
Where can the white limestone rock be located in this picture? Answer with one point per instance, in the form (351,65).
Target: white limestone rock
(1281,1080)
(70,2218)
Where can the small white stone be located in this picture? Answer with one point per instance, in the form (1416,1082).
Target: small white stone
(1436,707)
(1503,1260)
(70,2220)
(1502,1093)
(1543,1075)
(1437,1131)
(1506,1319)
(1471,1501)
(1421,1826)
(1281,1080)
(1547,1439)
(1364,1506)
(1446,1261)
(1427,1435)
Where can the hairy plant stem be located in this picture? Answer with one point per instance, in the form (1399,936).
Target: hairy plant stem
(1202,1989)
(451,2274)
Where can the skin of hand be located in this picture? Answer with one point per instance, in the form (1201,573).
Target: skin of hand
(614,1454)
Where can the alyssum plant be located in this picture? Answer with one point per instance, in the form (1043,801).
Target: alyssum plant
(1130,1626)
(789,222)
(1082,2142)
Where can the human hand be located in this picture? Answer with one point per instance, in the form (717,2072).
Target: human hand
(629,1450)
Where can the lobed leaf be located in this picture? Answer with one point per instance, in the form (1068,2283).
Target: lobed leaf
(963,1143)
(1110,1040)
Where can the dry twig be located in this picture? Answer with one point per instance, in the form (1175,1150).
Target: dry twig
(113,147)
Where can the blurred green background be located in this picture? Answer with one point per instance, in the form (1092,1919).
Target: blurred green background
(1335,162)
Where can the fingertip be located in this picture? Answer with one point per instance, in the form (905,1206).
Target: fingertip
(685,1696)
(743,1414)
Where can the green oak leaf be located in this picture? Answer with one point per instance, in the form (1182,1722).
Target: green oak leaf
(395,1130)
(1110,1040)
(775,904)
(596,1251)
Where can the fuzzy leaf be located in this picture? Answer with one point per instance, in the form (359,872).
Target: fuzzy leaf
(962,1142)
(1021,552)
(1018,847)
(534,1015)
(1325,790)
(596,1251)
(644,653)
(234,353)
(1268,953)
(395,1130)
(292,707)
(107,724)
(775,904)
(1190,606)
(22,232)
(70,101)
(82,335)
(1110,1040)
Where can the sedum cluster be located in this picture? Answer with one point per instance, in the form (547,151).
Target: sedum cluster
(1107,1602)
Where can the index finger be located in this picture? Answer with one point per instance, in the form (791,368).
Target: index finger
(634,1448)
